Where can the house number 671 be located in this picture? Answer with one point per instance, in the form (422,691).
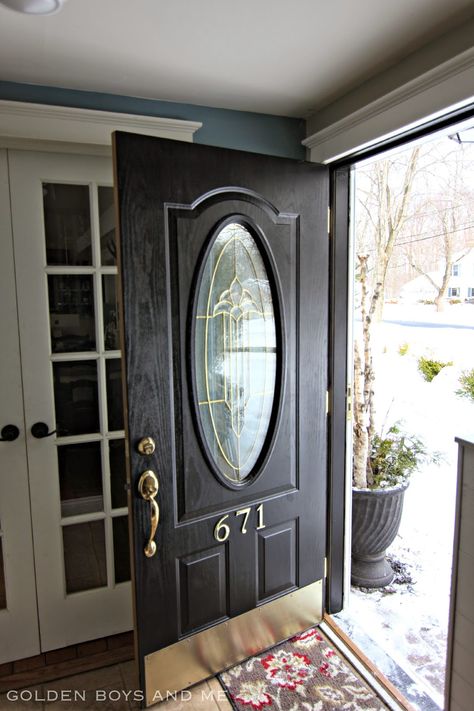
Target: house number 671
(222,529)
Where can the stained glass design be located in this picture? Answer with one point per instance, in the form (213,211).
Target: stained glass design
(235,352)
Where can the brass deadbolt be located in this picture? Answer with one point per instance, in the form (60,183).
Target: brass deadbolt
(146,446)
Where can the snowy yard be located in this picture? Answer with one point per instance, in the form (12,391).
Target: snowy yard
(409,619)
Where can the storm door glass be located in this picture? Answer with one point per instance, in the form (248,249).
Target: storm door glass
(81,275)
(235,352)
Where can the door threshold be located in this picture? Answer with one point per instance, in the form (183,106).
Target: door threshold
(394,667)
(384,688)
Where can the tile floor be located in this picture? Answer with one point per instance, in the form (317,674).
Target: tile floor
(110,689)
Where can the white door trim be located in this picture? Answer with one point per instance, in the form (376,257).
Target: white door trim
(19,634)
(23,125)
(449,84)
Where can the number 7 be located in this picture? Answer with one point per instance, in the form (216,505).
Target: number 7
(245,513)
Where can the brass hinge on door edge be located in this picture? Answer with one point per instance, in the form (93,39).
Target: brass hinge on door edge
(329,221)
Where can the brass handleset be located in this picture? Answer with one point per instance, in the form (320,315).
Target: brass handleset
(148,488)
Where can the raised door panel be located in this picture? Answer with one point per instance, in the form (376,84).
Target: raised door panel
(277,556)
(190,233)
(203,585)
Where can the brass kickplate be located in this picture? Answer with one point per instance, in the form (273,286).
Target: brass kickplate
(209,652)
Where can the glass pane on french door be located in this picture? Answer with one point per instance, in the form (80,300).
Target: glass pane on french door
(86,367)
(62,215)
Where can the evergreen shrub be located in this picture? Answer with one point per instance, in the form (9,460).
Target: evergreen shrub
(430,368)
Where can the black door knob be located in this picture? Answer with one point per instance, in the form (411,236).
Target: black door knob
(40,430)
(9,433)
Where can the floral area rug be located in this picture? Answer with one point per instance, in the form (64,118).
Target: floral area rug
(303,674)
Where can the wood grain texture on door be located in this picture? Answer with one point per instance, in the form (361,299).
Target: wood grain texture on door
(223,547)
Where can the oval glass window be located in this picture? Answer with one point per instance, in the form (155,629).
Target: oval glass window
(235,352)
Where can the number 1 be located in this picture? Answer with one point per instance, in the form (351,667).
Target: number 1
(260,517)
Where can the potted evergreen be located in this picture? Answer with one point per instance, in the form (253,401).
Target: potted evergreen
(382,460)
(377,505)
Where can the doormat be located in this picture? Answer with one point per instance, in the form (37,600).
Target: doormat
(303,674)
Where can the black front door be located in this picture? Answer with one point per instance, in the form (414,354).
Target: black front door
(224,268)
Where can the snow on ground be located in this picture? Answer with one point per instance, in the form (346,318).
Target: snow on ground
(409,619)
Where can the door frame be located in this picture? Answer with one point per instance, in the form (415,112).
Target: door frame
(340,339)
(57,129)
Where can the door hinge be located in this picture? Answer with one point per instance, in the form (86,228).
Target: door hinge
(325,568)
(329,221)
(349,412)
(327,402)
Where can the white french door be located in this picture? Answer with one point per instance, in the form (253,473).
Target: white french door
(19,633)
(63,233)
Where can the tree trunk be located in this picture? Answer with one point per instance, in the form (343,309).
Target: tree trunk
(391,216)
(364,376)
(361,435)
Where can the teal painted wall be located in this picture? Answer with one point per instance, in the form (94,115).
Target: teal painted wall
(244,130)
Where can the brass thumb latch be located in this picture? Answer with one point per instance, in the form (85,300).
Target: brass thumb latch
(148,488)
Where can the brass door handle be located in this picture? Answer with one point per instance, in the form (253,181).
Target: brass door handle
(148,488)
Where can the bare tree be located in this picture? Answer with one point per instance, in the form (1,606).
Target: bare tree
(383,212)
(392,210)
(381,219)
(448,216)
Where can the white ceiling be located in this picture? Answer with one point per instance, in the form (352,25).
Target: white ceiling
(287,57)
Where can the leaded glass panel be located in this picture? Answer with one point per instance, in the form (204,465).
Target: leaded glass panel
(235,352)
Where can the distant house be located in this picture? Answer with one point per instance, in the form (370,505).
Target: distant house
(461,283)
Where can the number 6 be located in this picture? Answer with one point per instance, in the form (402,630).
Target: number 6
(221,530)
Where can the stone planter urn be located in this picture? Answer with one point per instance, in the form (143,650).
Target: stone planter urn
(376,516)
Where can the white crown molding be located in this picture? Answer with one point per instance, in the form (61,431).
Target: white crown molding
(21,123)
(449,84)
